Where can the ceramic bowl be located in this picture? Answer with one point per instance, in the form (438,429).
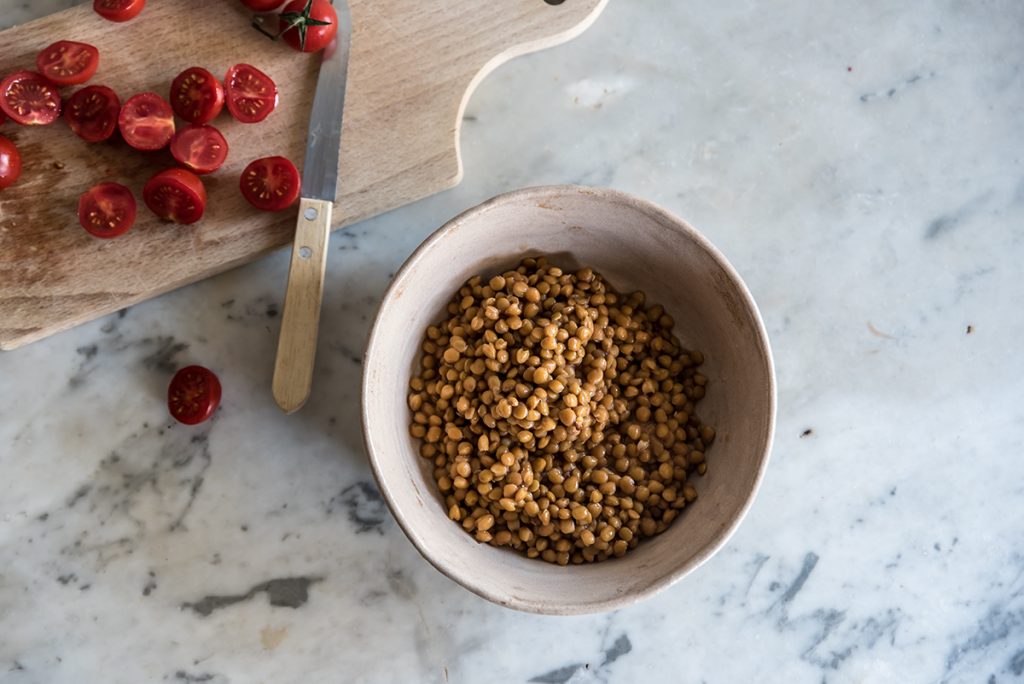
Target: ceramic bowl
(635,245)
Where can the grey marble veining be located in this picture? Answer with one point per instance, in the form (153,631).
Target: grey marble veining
(861,166)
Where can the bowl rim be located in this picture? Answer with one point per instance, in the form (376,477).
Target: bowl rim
(661,583)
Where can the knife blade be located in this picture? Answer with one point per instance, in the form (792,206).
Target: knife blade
(300,317)
(323,143)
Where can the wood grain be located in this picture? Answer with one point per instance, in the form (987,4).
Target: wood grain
(300,319)
(414,65)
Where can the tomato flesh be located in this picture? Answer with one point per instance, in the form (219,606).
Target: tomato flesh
(68,63)
(146,122)
(250,94)
(193,395)
(201,149)
(29,99)
(118,10)
(308,29)
(107,210)
(92,113)
(176,195)
(197,96)
(271,183)
(10,163)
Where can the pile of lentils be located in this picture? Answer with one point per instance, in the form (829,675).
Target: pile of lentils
(559,414)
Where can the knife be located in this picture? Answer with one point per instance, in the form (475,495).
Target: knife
(300,319)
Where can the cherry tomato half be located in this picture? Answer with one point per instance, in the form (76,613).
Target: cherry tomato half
(146,122)
(118,10)
(250,94)
(193,395)
(201,149)
(10,163)
(107,210)
(271,183)
(68,63)
(262,5)
(3,117)
(308,25)
(197,96)
(176,195)
(29,99)
(92,113)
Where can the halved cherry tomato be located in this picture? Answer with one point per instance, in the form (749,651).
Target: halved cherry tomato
(3,117)
(271,183)
(308,25)
(193,395)
(118,10)
(197,96)
(176,195)
(92,113)
(68,63)
(107,210)
(29,99)
(262,5)
(201,149)
(250,94)
(146,122)
(10,163)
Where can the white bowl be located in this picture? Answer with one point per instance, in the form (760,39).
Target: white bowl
(635,245)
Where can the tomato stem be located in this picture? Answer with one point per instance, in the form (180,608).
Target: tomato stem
(301,21)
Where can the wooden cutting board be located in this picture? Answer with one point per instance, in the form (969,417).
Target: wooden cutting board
(413,67)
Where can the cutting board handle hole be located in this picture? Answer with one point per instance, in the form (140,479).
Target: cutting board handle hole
(305,252)
(554,2)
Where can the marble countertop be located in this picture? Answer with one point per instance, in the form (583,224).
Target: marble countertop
(861,166)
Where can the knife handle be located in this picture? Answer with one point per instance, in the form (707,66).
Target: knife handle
(300,319)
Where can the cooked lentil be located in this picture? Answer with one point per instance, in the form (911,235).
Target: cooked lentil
(559,414)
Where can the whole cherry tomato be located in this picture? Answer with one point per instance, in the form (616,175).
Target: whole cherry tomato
(10,163)
(308,25)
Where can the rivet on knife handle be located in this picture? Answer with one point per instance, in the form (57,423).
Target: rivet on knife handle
(296,348)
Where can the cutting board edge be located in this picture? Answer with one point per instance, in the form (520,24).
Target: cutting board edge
(12,340)
(508,55)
